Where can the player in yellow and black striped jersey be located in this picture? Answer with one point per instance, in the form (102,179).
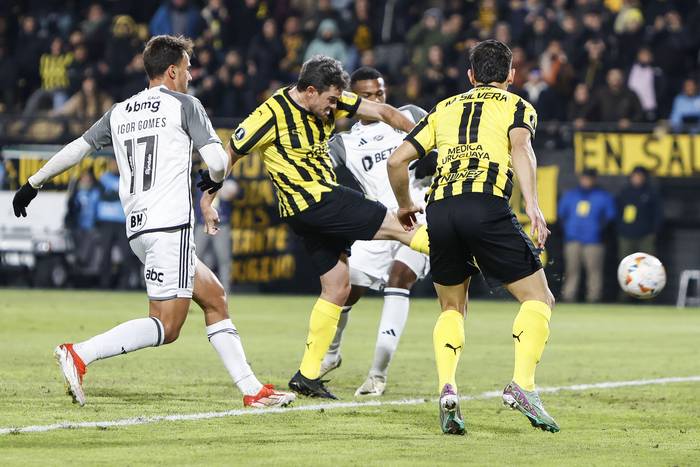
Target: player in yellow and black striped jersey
(483,138)
(473,156)
(290,131)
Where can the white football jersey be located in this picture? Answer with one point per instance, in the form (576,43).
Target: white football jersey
(152,134)
(365,149)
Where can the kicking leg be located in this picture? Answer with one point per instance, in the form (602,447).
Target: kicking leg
(391,229)
(209,294)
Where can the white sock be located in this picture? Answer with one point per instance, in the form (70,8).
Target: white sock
(334,348)
(225,339)
(394,315)
(127,337)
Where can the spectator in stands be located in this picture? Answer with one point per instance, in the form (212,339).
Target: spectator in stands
(686,107)
(77,69)
(534,86)
(671,46)
(215,250)
(80,220)
(177,17)
(218,24)
(584,213)
(122,46)
(436,81)
(640,215)
(329,44)
(134,78)
(29,47)
(94,27)
(110,221)
(628,27)
(88,104)
(53,69)
(538,37)
(617,103)
(363,27)
(648,82)
(266,51)
(580,108)
(316,13)
(424,35)
(8,81)
(294,46)
(594,64)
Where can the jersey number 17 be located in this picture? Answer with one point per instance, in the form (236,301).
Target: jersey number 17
(150,145)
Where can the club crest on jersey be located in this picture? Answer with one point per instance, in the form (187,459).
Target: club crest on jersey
(240,133)
(379,137)
(136,221)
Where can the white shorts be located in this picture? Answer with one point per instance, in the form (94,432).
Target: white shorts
(169,261)
(371,260)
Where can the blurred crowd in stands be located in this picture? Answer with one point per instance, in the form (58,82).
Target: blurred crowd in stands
(621,61)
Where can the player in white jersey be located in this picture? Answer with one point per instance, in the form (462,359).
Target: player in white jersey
(377,264)
(153,133)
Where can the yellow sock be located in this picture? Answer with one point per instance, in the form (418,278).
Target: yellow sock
(322,326)
(420,241)
(448,342)
(530,333)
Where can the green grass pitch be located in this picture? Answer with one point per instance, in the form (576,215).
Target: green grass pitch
(643,425)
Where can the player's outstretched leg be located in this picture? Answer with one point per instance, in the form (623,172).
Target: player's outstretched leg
(391,229)
(530,334)
(127,337)
(209,294)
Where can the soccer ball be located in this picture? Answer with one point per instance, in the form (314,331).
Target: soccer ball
(641,275)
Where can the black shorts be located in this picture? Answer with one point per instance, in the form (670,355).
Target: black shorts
(481,227)
(330,226)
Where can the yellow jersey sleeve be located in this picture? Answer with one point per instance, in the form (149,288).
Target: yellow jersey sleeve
(256,131)
(525,116)
(422,137)
(348,103)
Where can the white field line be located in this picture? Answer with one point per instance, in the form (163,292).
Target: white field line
(326,406)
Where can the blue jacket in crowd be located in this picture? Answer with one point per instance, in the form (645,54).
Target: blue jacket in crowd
(585,213)
(109,208)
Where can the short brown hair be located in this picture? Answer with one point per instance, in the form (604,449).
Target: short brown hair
(163,51)
(322,72)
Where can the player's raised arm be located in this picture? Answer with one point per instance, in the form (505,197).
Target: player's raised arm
(98,136)
(525,167)
(392,116)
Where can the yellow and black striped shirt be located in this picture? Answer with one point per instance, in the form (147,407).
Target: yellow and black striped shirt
(293,143)
(470,132)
